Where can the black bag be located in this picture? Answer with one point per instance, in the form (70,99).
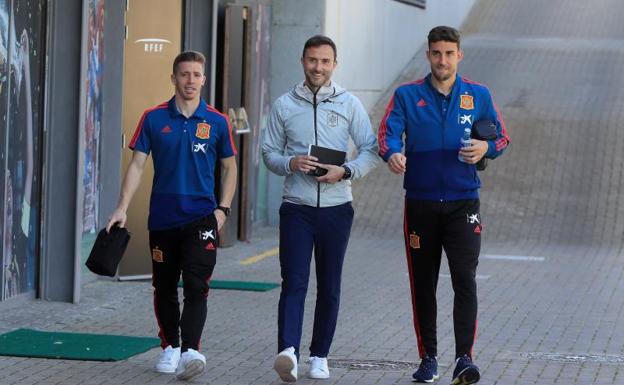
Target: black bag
(108,250)
(483,130)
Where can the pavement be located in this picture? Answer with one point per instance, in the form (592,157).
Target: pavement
(551,273)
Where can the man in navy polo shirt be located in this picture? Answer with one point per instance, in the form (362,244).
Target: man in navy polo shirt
(185,137)
(441,193)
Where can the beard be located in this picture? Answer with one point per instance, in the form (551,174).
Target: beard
(441,76)
(316,82)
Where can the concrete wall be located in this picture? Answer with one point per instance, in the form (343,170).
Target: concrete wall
(377,38)
(289,31)
(293,22)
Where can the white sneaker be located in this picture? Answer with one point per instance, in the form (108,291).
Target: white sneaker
(286,365)
(168,360)
(192,364)
(318,368)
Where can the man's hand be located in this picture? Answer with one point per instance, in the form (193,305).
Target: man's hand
(304,163)
(474,153)
(119,217)
(221,218)
(397,163)
(334,173)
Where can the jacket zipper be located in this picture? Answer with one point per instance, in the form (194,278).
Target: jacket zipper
(443,115)
(314,106)
(318,184)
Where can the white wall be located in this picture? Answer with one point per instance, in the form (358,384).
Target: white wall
(377,38)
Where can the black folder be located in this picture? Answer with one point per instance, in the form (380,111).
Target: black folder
(326,156)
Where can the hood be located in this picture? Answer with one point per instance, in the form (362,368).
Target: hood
(302,91)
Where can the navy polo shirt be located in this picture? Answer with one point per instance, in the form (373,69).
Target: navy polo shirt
(184,151)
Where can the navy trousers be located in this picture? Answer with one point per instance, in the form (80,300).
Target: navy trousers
(325,230)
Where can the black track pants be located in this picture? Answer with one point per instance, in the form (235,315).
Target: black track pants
(190,250)
(430,227)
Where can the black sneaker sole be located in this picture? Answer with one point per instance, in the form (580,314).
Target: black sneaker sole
(467,376)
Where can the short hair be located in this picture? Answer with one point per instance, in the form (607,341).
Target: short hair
(192,56)
(317,41)
(443,33)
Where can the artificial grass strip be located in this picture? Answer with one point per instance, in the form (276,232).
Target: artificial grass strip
(240,285)
(73,346)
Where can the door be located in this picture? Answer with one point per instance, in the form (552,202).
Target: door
(235,92)
(153,39)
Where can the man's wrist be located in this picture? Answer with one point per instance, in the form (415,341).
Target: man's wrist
(389,156)
(491,148)
(225,210)
(289,169)
(347,174)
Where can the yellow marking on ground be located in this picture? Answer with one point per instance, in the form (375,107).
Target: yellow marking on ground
(260,257)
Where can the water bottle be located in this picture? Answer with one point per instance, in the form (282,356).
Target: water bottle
(464,142)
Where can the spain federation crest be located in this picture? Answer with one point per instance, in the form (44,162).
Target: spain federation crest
(332,119)
(202,131)
(157,255)
(466,102)
(414,241)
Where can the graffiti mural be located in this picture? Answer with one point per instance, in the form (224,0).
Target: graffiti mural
(4,86)
(93,115)
(23,34)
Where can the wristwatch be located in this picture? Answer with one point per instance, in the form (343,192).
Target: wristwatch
(226,210)
(347,174)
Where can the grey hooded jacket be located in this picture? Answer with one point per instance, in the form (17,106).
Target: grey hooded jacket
(329,118)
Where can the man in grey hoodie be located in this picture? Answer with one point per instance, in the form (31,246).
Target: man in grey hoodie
(316,212)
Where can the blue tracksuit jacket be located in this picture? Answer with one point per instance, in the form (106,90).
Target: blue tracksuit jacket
(433,125)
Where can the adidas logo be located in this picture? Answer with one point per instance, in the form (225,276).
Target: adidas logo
(166,130)
(477,229)
(210,246)
(421,103)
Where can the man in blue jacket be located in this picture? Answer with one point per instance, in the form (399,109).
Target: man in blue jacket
(442,193)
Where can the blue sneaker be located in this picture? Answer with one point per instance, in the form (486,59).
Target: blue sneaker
(427,371)
(465,372)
